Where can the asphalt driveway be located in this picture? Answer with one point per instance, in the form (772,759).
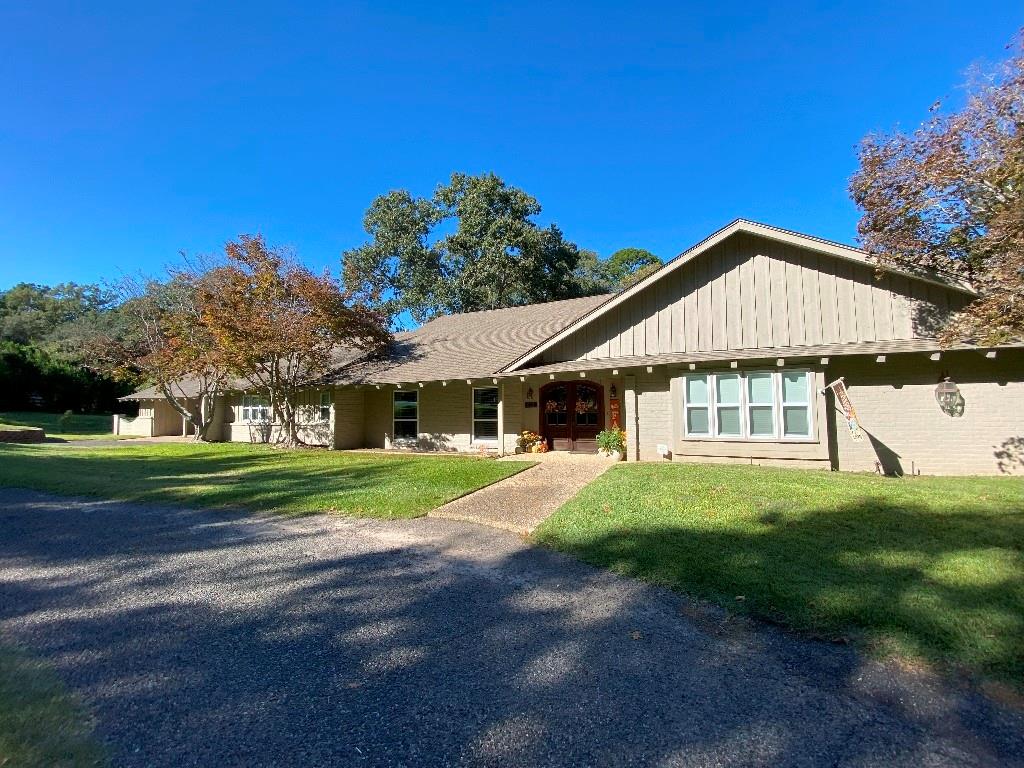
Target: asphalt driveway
(219,640)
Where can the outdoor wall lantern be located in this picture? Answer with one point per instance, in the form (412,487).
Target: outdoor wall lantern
(529,393)
(613,392)
(948,396)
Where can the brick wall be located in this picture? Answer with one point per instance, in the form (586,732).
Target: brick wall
(905,430)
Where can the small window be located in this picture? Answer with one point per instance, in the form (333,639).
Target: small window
(255,409)
(485,414)
(761,404)
(406,416)
(325,406)
(698,416)
(796,404)
(727,398)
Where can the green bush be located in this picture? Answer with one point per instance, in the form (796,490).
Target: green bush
(612,440)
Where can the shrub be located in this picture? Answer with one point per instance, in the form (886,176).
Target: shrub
(612,440)
(64,422)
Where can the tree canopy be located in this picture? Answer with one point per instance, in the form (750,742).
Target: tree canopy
(474,244)
(947,199)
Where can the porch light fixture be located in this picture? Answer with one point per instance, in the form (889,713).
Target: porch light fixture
(529,393)
(948,396)
(613,392)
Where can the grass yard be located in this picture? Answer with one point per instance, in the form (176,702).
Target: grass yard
(926,568)
(41,725)
(82,426)
(255,477)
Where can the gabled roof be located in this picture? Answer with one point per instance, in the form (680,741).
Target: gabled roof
(816,244)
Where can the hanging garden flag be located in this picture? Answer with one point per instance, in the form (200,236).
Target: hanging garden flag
(849,412)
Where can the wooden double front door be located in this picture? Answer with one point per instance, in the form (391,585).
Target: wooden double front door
(571,415)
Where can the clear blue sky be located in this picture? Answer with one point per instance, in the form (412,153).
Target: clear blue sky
(128,133)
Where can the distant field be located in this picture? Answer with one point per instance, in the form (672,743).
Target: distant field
(82,426)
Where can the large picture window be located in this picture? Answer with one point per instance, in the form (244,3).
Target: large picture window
(485,415)
(255,409)
(406,416)
(749,405)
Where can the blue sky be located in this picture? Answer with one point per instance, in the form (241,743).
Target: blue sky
(128,134)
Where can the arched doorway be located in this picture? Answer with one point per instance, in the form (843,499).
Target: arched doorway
(571,415)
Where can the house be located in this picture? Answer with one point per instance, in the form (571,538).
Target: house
(727,353)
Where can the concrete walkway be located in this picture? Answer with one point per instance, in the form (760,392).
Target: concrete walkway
(522,502)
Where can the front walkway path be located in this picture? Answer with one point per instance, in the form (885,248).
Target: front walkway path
(522,502)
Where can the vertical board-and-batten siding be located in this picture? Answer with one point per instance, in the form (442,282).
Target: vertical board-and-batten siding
(750,292)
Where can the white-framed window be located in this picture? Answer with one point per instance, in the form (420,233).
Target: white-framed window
(255,409)
(748,405)
(485,414)
(796,404)
(324,411)
(406,412)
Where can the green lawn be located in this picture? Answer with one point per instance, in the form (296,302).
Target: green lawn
(41,725)
(82,426)
(926,568)
(257,477)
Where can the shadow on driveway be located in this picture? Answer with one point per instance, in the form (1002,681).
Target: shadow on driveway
(218,639)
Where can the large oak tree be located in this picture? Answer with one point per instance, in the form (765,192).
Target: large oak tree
(473,245)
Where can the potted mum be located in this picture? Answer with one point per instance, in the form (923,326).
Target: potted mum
(612,443)
(531,442)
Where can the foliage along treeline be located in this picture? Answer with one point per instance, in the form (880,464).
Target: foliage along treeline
(947,198)
(493,255)
(42,329)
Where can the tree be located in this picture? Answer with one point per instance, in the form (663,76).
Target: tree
(38,314)
(278,326)
(947,199)
(630,265)
(495,256)
(159,334)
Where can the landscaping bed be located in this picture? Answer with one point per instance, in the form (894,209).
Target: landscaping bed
(924,568)
(9,434)
(256,477)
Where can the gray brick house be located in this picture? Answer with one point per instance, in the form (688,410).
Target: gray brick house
(724,354)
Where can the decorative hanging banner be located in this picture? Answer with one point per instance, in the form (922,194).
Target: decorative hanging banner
(838,387)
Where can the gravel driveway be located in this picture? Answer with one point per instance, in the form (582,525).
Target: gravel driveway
(222,640)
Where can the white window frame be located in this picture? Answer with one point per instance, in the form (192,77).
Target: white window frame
(712,406)
(395,440)
(252,406)
(808,403)
(473,439)
(329,404)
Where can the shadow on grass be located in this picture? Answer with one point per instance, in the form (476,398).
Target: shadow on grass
(234,642)
(943,586)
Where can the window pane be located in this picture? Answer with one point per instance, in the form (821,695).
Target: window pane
(485,430)
(697,390)
(727,387)
(405,430)
(795,421)
(485,403)
(697,421)
(729,421)
(794,387)
(759,388)
(405,405)
(762,420)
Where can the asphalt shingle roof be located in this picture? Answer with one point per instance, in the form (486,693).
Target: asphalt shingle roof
(467,345)
(471,344)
